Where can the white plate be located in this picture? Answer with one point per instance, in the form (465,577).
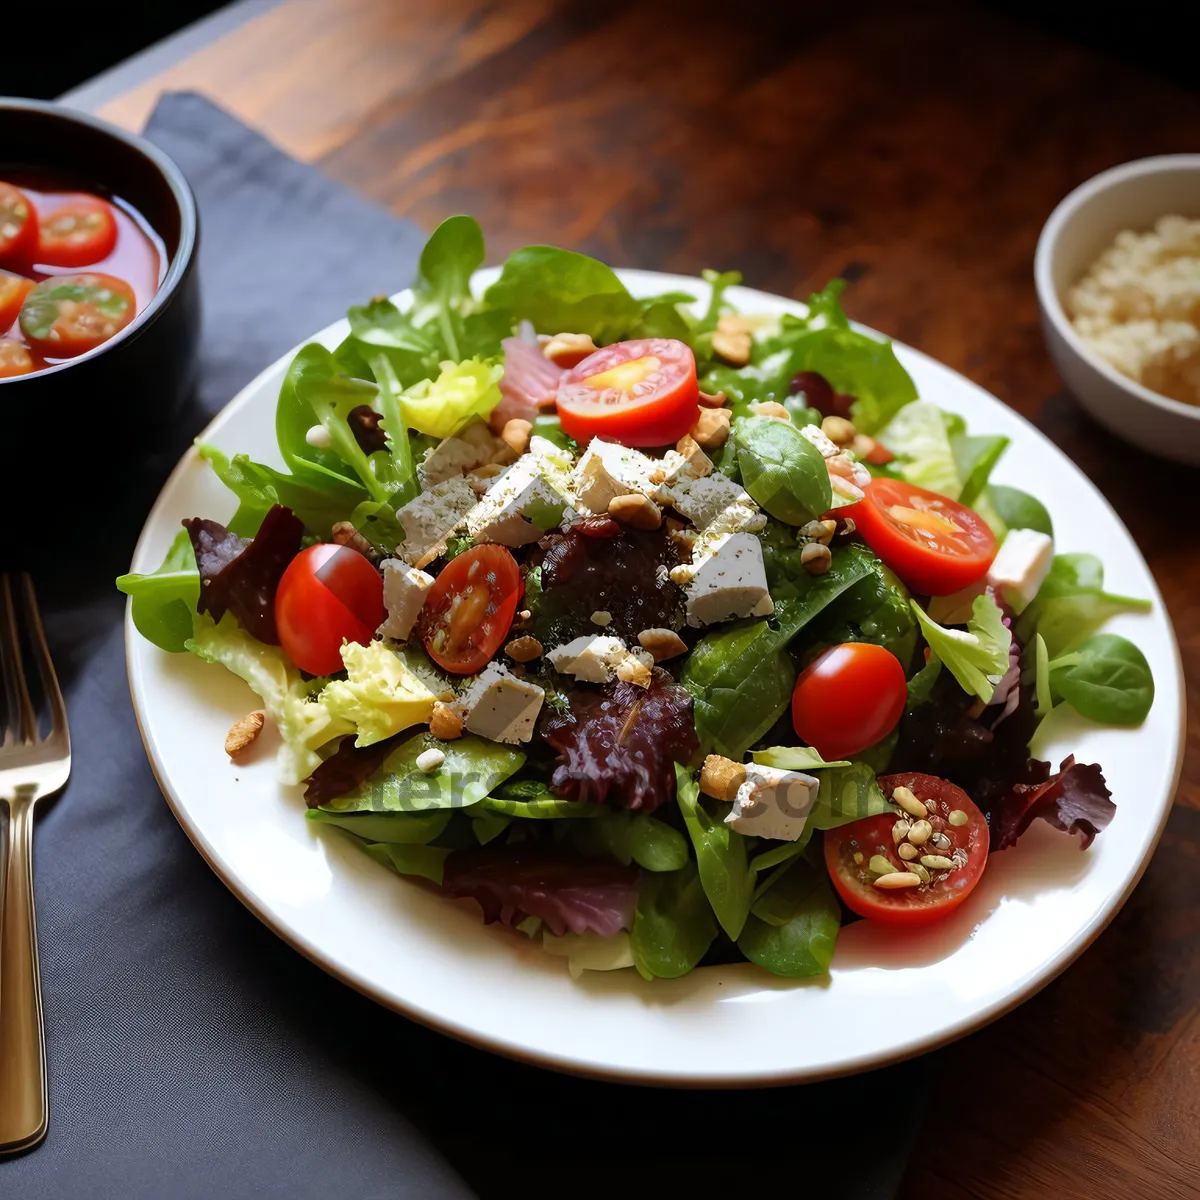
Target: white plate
(887,997)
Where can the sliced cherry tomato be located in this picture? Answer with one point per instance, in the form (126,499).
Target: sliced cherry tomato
(13,290)
(469,609)
(78,233)
(67,315)
(14,359)
(18,226)
(936,545)
(958,828)
(849,698)
(640,393)
(328,595)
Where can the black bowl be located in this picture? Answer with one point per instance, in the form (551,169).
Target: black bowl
(108,407)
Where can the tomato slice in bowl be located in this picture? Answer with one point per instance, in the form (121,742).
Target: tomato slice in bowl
(957,833)
(78,233)
(328,594)
(13,290)
(18,226)
(936,545)
(68,315)
(14,359)
(470,608)
(638,393)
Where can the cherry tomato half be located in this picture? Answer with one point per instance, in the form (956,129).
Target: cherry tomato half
(14,359)
(68,315)
(77,234)
(469,609)
(639,393)
(849,698)
(936,545)
(13,290)
(18,226)
(328,595)
(957,825)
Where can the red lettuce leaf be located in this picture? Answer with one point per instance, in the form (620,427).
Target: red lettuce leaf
(346,768)
(242,577)
(1076,800)
(511,883)
(620,744)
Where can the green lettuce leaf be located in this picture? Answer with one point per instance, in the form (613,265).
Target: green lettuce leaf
(1107,679)
(792,930)
(920,440)
(461,393)
(978,658)
(164,602)
(407,829)
(426,861)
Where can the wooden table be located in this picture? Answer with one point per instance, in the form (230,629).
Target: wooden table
(917,151)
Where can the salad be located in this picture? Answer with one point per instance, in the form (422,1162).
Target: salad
(667,635)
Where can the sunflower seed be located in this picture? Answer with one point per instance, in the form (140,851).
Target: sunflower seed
(921,873)
(879,865)
(958,817)
(941,841)
(898,879)
(937,862)
(900,831)
(920,833)
(904,797)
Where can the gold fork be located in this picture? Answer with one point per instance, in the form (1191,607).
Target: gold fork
(31,766)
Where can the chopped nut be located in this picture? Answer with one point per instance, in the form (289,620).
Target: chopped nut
(487,471)
(863,445)
(516,434)
(635,510)
(816,558)
(683,574)
(846,527)
(712,399)
(731,340)
(633,670)
(601,617)
(569,349)
(819,531)
(772,409)
(662,643)
(845,489)
(525,615)
(721,777)
(712,428)
(445,724)
(344,534)
(838,430)
(524,649)
(698,463)
(241,736)
(431,759)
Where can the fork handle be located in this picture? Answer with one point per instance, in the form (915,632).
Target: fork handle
(24,1111)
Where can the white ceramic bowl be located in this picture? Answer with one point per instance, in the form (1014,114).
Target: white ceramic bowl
(1131,196)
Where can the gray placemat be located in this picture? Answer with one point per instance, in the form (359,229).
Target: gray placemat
(192,1053)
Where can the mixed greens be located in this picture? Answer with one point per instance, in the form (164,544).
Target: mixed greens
(656,701)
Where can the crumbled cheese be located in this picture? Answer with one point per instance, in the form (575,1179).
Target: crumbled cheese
(607,471)
(431,759)
(729,581)
(404,592)
(1021,566)
(450,457)
(500,706)
(686,461)
(589,659)
(815,435)
(432,518)
(519,507)
(773,803)
(1138,307)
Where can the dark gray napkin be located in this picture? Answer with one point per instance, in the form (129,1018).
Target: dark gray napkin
(192,1053)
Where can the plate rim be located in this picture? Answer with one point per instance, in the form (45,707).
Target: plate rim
(917,1046)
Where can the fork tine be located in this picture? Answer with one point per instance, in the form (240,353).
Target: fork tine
(45,664)
(58,712)
(21,720)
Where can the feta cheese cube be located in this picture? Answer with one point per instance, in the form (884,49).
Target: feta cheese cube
(729,581)
(432,518)
(589,659)
(607,471)
(501,707)
(404,591)
(519,507)
(450,457)
(714,503)
(773,803)
(1021,566)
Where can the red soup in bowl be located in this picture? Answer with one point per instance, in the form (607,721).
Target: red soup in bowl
(76,267)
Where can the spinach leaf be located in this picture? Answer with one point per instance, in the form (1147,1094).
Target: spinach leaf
(977,658)
(720,857)
(1107,679)
(542,805)
(782,471)
(426,861)
(442,289)
(1020,510)
(380,332)
(164,602)
(874,610)
(472,768)
(410,829)
(561,290)
(793,928)
(795,758)
(741,677)
(975,457)
(487,826)
(673,925)
(629,837)
(847,794)
(655,845)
